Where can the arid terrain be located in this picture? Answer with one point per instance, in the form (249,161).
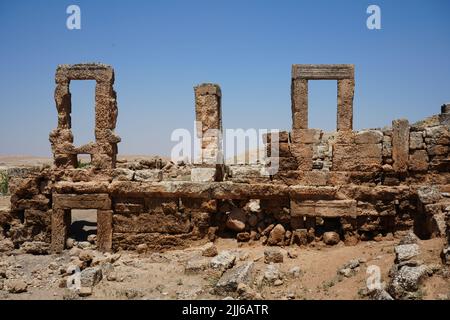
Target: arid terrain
(304,273)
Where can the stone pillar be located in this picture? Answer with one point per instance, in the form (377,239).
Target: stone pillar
(61,221)
(444,117)
(345,89)
(104,230)
(400,145)
(62,136)
(299,103)
(105,123)
(208,115)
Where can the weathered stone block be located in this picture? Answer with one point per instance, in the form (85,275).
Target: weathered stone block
(299,103)
(305,136)
(363,157)
(416,140)
(314,178)
(104,229)
(282,150)
(438,150)
(346,88)
(323,71)
(151,222)
(283,136)
(128,208)
(369,137)
(400,144)
(324,208)
(203,174)
(148,175)
(418,161)
(81,201)
(335,208)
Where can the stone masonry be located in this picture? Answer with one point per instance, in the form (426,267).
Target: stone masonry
(362,185)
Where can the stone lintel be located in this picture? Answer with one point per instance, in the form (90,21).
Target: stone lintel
(81,201)
(323,71)
(84,71)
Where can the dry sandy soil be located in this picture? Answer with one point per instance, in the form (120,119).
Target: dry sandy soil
(162,275)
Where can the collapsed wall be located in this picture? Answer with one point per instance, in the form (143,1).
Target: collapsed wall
(359,185)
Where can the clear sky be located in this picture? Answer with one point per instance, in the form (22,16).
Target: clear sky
(161,49)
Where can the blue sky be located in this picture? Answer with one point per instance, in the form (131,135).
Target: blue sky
(161,49)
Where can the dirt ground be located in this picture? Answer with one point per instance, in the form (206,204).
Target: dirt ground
(162,275)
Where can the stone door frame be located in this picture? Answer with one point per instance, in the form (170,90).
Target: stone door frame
(61,218)
(345,76)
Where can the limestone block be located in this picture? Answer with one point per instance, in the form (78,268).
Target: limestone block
(151,222)
(299,97)
(203,174)
(400,144)
(416,140)
(104,230)
(148,175)
(418,160)
(81,201)
(369,137)
(306,136)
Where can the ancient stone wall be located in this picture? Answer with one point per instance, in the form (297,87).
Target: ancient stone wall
(361,185)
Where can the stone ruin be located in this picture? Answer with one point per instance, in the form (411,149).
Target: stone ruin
(361,185)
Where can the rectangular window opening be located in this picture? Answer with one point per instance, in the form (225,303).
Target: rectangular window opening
(322,105)
(83,111)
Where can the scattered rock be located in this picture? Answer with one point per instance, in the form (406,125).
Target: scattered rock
(331,238)
(405,252)
(85,291)
(272,273)
(406,280)
(445,256)
(300,237)
(276,236)
(243,237)
(350,268)
(224,260)
(409,238)
(15,286)
(209,250)
(273,255)
(236,220)
(380,294)
(245,292)
(6,245)
(295,272)
(232,277)
(141,248)
(86,256)
(196,265)
(278,282)
(292,254)
(35,247)
(92,238)
(70,243)
(89,277)
(84,244)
